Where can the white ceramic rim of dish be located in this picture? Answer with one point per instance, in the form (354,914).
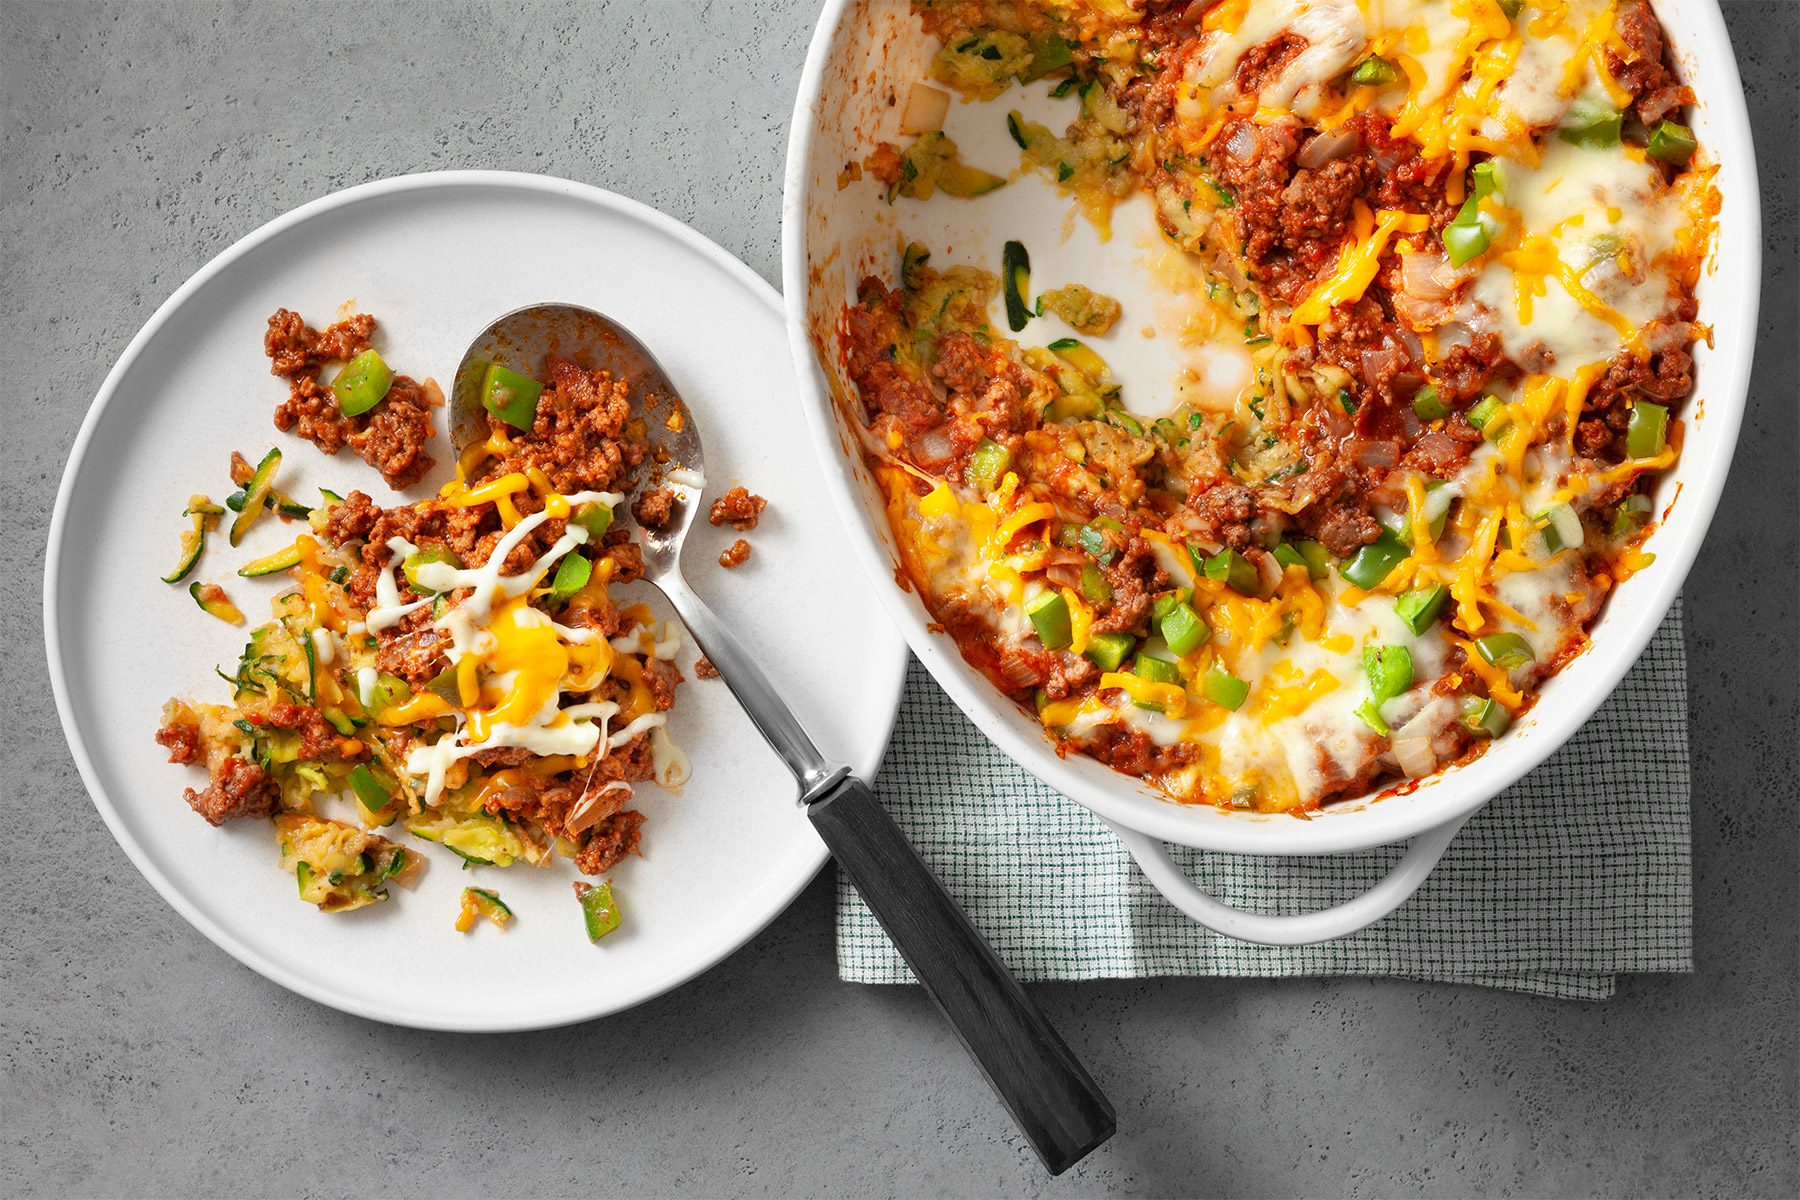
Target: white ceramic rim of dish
(776,900)
(1700,34)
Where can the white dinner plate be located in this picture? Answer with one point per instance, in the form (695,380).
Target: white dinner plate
(435,257)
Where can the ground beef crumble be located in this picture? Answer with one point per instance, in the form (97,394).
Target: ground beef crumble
(295,349)
(735,554)
(239,788)
(181,739)
(391,437)
(654,507)
(1656,93)
(578,439)
(739,508)
(611,841)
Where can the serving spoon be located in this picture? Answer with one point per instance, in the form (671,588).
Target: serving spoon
(1038,1078)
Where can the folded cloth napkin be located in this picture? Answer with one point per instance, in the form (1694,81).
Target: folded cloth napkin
(1578,872)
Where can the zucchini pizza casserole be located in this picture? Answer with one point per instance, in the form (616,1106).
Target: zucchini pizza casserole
(1440,259)
(458,665)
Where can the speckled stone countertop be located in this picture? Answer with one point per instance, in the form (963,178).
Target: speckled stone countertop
(140,139)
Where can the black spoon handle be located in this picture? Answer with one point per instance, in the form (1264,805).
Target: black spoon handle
(1037,1077)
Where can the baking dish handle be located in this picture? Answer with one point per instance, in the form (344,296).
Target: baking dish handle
(1302,929)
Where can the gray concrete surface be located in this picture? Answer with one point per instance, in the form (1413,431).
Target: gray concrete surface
(140,139)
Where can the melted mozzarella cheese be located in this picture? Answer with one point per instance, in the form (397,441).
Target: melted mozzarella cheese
(1600,220)
(1333,30)
(1335,37)
(1538,91)
(1426,37)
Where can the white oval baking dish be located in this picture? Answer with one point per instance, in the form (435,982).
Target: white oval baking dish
(865,55)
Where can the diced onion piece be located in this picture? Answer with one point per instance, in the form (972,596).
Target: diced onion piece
(925,110)
(1372,452)
(933,448)
(1414,754)
(1414,744)
(1327,147)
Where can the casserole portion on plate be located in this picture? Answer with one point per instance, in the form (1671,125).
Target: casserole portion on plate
(458,665)
(1437,262)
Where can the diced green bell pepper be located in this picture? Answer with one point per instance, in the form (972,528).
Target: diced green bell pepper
(1234,571)
(444,686)
(596,518)
(1370,712)
(510,396)
(1317,557)
(572,574)
(1591,124)
(1467,235)
(362,384)
(1375,561)
(1419,608)
(1374,71)
(1049,614)
(1224,689)
(387,690)
(1183,628)
(1389,670)
(1646,429)
(1094,587)
(1488,416)
(1092,538)
(373,794)
(409,566)
(1505,650)
(1560,528)
(1672,143)
(1631,514)
(1486,715)
(1109,650)
(1156,670)
(1400,524)
(1485,178)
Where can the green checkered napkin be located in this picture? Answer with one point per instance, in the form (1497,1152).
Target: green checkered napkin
(1576,873)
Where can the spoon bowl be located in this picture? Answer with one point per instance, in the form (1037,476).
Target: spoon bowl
(525,339)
